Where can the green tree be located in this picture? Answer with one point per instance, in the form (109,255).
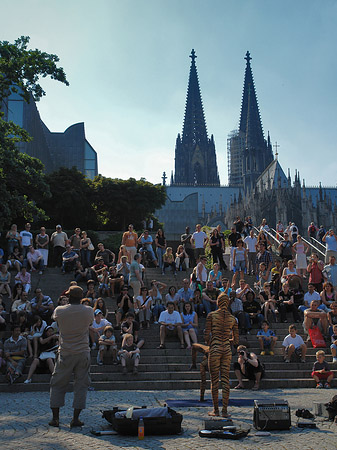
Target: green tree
(22,181)
(21,69)
(71,203)
(119,202)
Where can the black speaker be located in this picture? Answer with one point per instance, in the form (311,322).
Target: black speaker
(270,415)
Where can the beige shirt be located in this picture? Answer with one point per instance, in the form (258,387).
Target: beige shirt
(59,239)
(73,322)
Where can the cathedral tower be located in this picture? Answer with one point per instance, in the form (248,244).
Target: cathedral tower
(249,153)
(195,158)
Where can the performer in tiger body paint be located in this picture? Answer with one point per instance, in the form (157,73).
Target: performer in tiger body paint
(221,331)
(204,349)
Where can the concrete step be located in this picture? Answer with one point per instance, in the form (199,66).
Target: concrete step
(183,376)
(131,382)
(180,353)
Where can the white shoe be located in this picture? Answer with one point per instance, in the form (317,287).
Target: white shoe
(334,360)
(28,381)
(40,273)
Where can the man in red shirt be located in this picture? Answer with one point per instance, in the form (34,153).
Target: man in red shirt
(315,268)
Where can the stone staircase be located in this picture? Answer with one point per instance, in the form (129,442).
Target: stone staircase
(169,368)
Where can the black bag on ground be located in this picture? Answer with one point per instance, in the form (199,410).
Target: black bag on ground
(331,407)
(157,421)
(221,434)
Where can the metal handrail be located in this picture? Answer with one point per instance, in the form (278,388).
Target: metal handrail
(313,247)
(276,232)
(269,234)
(307,242)
(318,242)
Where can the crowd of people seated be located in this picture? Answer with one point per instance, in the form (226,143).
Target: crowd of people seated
(279,289)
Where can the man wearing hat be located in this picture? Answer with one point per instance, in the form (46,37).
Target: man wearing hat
(73,356)
(59,240)
(97,327)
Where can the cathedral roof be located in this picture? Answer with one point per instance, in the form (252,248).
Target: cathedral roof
(271,177)
(194,129)
(250,121)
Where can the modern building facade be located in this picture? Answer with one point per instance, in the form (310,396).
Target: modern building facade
(55,150)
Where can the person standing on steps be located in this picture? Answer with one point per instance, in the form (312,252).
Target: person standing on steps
(73,356)
(199,240)
(185,240)
(130,240)
(221,331)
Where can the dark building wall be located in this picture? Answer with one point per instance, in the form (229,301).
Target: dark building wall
(55,150)
(27,116)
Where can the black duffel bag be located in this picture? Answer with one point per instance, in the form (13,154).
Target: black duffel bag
(331,407)
(157,421)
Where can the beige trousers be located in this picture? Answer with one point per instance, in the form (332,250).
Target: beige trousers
(66,365)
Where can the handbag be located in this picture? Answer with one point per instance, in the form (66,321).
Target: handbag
(316,337)
(91,246)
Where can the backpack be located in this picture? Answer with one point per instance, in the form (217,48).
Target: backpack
(331,407)
(312,230)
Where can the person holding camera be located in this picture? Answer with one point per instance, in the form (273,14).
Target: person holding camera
(125,304)
(248,366)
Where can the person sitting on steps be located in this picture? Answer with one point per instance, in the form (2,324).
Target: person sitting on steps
(170,324)
(248,366)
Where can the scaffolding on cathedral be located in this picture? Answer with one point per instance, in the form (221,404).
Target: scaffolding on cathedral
(235,152)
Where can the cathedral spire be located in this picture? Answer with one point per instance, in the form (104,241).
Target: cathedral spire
(194,129)
(257,151)
(250,121)
(195,158)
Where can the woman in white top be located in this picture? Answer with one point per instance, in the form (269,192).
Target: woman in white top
(240,261)
(173,296)
(288,272)
(189,324)
(300,249)
(158,303)
(144,302)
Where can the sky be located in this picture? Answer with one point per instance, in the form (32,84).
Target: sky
(127,62)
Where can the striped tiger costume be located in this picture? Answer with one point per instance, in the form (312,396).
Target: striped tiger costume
(221,330)
(204,349)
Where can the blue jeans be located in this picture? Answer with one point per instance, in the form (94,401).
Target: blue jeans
(323,307)
(85,257)
(208,306)
(157,309)
(259,319)
(11,245)
(150,252)
(160,252)
(199,309)
(240,266)
(38,265)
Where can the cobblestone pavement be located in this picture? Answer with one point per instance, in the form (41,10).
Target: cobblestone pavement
(24,422)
